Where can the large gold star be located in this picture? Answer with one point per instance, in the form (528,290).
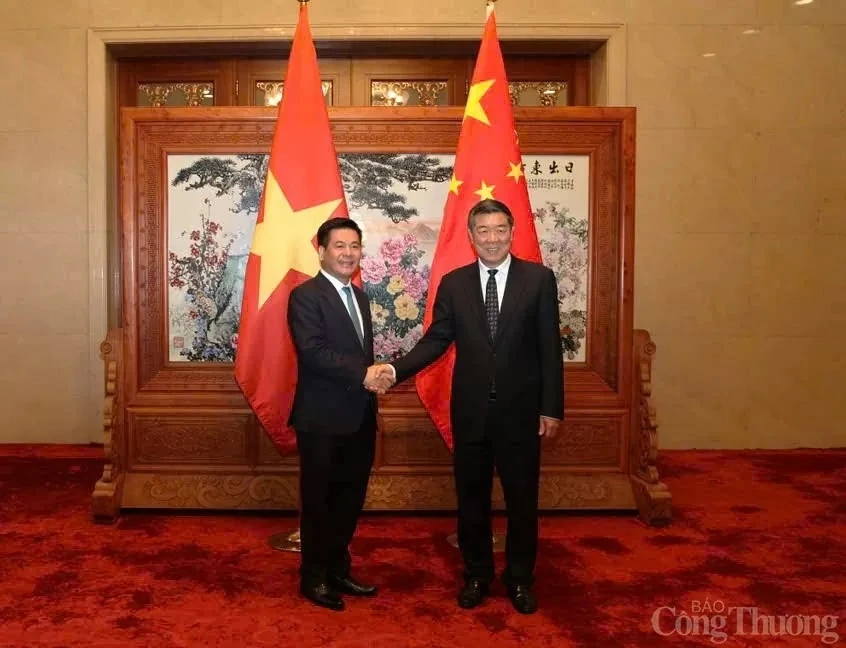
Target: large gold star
(454,184)
(283,238)
(474,101)
(516,171)
(485,192)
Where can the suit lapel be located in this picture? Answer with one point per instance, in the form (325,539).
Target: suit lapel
(473,288)
(514,287)
(364,307)
(338,304)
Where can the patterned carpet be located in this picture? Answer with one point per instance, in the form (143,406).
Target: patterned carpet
(755,556)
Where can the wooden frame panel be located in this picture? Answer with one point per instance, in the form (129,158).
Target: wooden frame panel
(605,455)
(365,71)
(219,71)
(248,71)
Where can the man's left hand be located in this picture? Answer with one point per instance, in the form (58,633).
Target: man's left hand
(548,427)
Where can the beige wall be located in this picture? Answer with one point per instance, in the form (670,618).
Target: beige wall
(741,206)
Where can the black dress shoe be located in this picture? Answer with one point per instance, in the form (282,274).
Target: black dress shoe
(348,585)
(323,595)
(472,594)
(523,599)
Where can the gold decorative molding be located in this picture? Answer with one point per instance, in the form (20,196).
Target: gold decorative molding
(219,492)
(196,93)
(547,92)
(158,95)
(419,492)
(408,93)
(269,93)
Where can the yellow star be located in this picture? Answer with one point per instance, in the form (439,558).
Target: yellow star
(485,192)
(516,171)
(474,101)
(454,184)
(283,238)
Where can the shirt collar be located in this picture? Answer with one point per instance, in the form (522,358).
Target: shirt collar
(333,280)
(502,267)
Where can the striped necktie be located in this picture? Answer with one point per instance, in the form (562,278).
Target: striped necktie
(351,309)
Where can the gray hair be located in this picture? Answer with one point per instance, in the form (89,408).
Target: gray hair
(488,206)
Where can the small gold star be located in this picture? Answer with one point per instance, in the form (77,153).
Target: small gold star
(485,192)
(474,101)
(516,171)
(454,184)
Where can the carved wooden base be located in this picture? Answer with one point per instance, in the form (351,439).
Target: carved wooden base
(169,458)
(385,493)
(106,501)
(654,502)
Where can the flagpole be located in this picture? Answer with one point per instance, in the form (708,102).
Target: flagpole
(289,540)
(498,538)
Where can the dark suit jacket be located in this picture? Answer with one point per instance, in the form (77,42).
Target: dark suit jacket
(525,358)
(331,362)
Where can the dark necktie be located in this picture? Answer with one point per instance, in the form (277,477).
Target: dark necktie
(492,303)
(351,309)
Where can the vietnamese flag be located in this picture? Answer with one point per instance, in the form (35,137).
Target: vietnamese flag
(488,164)
(302,189)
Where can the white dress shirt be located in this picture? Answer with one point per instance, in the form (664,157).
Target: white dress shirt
(501,277)
(340,288)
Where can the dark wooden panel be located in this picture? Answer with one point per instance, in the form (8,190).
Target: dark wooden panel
(187,437)
(410,439)
(585,440)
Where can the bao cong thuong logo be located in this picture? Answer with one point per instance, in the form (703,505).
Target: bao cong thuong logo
(718,622)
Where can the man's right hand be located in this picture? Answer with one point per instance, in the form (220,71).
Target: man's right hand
(379,378)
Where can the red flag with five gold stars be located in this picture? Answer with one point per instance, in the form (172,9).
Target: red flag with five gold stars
(302,189)
(488,164)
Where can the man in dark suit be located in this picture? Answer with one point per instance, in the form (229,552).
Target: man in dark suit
(507,394)
(334,412)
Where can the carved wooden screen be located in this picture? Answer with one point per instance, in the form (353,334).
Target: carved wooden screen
(182,434)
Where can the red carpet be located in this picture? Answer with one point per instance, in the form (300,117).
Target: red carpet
(760,530)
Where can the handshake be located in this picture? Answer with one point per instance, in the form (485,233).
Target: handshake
(380,378)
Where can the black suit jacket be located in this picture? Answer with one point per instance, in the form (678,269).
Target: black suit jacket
(331,363)
(525,358)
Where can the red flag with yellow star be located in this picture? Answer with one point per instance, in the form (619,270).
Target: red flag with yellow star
(302,189)
(488,164)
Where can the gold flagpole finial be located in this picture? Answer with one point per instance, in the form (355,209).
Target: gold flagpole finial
(302,2)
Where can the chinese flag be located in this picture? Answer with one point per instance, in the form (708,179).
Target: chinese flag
(488,164)
(302,189)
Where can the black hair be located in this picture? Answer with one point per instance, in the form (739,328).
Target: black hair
(325,229)
(489,206)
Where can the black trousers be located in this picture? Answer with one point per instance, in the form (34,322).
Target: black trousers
(334,472)
(517,463)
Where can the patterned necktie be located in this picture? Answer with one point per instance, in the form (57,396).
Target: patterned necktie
(351,309)
(492,303)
